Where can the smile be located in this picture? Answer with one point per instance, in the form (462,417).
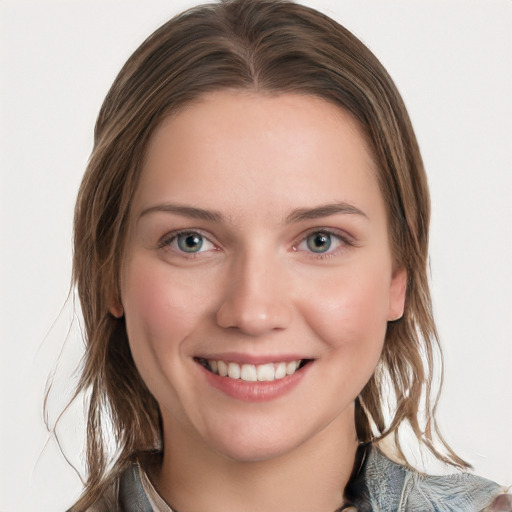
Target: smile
(252,372)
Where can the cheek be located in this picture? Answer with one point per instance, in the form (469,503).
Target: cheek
(350,317)
(351,308)
(160,309)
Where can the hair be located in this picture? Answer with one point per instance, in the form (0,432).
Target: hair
(268,47)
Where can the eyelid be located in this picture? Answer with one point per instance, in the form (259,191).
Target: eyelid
(166,240)
(345,239)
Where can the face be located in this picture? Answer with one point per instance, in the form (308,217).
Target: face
(258,279)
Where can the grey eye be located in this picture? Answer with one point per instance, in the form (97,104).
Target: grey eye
(319,242)
(190,242)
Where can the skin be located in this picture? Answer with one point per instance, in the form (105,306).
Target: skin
(266,166)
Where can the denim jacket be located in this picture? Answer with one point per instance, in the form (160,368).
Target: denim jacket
(379,485)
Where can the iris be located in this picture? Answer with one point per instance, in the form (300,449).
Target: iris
(319,242)
(189,242)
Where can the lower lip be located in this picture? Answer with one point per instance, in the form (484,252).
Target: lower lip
(255,391)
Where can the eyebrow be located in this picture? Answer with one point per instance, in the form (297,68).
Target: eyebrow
(297,215)
(325,210)
(185,211)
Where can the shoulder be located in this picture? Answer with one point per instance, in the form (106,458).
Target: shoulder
(408,490)
(108,501)
(450,493)
(124,494)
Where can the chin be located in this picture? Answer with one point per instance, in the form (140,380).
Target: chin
(245,450)
(260,440)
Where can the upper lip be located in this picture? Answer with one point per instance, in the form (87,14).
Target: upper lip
(236,357)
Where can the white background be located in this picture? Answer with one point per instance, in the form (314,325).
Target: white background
(452,61)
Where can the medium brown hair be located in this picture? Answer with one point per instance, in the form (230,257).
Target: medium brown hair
(270,47)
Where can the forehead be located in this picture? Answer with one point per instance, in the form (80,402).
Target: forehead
(229,145)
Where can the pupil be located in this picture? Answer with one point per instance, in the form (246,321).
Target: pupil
(190,242)
(319,242)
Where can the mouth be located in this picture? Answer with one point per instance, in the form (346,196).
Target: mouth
(267,372)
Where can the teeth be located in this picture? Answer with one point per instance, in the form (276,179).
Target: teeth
(266,372)
(234,371)
(252,373)
(280,370)
(249,373)
(291,367)
(222,368)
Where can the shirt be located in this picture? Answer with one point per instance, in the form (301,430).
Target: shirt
(379,485)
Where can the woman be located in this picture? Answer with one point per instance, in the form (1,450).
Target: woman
(251,241)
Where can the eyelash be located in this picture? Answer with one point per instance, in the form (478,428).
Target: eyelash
(167,240)
(344,241)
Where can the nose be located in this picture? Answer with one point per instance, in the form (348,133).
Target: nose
(256,299)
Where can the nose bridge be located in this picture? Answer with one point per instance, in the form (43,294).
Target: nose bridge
(256,298)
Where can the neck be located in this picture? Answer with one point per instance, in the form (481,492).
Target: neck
(312,476)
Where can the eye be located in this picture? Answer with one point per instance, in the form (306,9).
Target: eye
(189,242)
(321,242)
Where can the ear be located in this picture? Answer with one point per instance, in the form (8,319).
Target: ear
(397,290)
(116,308)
